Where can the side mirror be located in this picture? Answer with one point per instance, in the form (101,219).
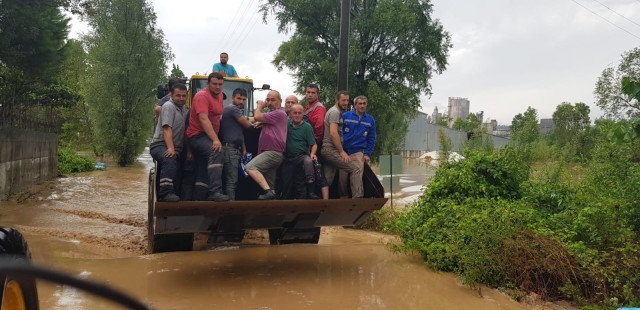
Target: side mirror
(266,86)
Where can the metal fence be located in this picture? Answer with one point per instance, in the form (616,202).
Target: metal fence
(29,116)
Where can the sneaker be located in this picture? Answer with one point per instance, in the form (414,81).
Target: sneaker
(171,197)
(312,195)
(219,197)
(268,195)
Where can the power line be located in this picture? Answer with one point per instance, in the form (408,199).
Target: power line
(246,30)
(241,26)
(608,21)
(222,39)
(231,24)
(617,12)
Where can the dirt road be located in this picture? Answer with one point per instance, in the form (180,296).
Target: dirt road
(94,225)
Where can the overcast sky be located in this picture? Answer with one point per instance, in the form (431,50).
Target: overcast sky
(507,54)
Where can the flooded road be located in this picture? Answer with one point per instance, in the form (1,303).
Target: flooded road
(94,225)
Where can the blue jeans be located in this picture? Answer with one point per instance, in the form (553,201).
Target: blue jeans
(168,170)
(232,157)
(209,179)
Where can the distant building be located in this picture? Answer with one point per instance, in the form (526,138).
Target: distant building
(435,116)
(502,131)
(545,126)
(423,136)
(415,142)
(480,116)
(458,109)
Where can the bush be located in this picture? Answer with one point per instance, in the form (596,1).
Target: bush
(561,234)
(70,162)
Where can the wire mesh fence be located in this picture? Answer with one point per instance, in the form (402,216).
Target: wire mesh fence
(29,116)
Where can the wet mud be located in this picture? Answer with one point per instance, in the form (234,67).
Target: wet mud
(93,225)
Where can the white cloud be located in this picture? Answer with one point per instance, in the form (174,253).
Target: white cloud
(533,53)
(507,54)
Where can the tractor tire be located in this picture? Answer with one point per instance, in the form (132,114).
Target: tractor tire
(279,236)
(163,243)
(172,243)
(17,292)
(151,202)
(274,235)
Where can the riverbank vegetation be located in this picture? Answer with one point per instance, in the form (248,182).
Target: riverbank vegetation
(557,215)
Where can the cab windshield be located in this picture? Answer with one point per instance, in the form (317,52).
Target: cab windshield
(227,88)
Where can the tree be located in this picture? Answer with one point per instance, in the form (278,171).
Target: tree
(443,120)
(470,124)
(32,35)
(127,59)
(395,48)
(176,72)
(569,121)
(524,127)
(608,91)
(77,129)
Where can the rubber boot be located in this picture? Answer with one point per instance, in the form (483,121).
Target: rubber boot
(311,191)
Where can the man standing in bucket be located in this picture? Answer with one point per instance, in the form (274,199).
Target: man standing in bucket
(358,135)
(168,141)
(271,146)
(202,134)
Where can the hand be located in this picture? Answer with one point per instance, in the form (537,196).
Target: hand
(169,153)
(313,157)
(345,157)
(257,125)
(189,155)
(366,159)
(260,104)
(216,146)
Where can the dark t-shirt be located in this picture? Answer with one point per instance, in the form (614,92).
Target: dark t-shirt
(164,99)
(230,130)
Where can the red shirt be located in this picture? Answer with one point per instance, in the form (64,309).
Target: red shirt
(205,102)
(315,112)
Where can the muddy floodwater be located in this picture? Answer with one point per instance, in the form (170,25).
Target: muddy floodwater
(93,225)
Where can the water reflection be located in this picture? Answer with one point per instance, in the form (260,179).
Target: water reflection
(415,173)
(360,275)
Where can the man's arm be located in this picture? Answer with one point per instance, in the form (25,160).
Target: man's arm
(157,110)
(205,123)
(371,141)
(258,116)
(168,140)
(244,122)
(312,152)
(335,139)
(317,122)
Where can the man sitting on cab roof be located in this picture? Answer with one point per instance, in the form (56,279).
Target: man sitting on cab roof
(223,67)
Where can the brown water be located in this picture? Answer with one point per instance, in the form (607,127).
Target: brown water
(94,225)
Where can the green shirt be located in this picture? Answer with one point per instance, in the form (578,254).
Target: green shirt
(299,139)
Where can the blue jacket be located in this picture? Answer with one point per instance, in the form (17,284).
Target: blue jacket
(358,134)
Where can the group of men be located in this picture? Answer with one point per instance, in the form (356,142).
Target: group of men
(311,143)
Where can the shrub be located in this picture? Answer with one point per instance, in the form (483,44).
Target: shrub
(560,234)
(70,162)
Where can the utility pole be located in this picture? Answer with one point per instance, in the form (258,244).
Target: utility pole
(343,56)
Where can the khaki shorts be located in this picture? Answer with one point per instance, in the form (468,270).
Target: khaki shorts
(266,163)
